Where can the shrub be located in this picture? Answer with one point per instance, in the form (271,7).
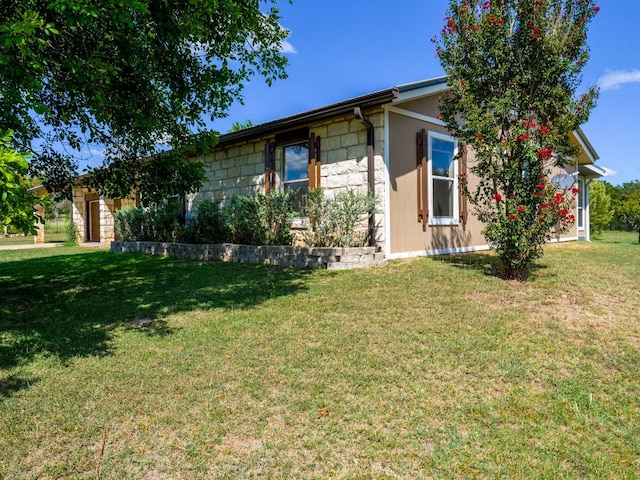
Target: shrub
(208,225)
(276,209)
(245,221)
(338,222)
(153,224)
(259,220)
(71,233)
(129,223)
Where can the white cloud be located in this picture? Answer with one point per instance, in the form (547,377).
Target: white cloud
(608,172)
(287,47)
(614,79)
(96,152)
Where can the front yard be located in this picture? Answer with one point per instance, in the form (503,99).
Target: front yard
(129,366)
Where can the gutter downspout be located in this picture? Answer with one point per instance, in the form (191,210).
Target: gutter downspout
(371,174)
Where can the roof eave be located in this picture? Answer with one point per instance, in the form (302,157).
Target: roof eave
(340,108)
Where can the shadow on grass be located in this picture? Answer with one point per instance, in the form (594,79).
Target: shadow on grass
(14,383)
(68,305)
(483,262)
(488,264)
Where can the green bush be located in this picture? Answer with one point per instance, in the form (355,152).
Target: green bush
(152,224)
(208,224)
(259,220)
(71,233)
(245,221)
(338,221)
(276,210)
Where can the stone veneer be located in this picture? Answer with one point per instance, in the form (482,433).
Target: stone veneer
(238,169)
(283,256)
(108,208)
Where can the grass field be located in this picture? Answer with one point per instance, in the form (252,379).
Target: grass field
(54,231)
(128,366)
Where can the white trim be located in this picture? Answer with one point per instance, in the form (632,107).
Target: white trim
(443,251)
(387,186)
(564,239)
(450,251)
(581,194)
(417,116)
(412,94)
(455,218)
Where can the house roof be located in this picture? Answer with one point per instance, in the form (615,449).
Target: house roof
(592,171)
(369,100)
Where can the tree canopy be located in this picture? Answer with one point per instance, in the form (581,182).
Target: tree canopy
(514,71)
(132,77)
(17,202)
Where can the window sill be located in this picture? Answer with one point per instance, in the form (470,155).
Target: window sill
(443,221)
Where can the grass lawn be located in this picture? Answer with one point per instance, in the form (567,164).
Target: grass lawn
(128,366)
(54,231)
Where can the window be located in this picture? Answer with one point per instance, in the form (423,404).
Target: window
(443,179)
(296,169)
(581,197)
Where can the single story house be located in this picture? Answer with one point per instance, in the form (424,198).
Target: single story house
(375,141)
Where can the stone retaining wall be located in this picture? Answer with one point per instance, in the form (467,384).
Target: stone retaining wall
(283,256)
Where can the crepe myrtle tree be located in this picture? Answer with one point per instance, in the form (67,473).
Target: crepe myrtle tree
(131,78)
(514,71)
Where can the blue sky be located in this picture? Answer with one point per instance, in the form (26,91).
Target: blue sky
(342,49)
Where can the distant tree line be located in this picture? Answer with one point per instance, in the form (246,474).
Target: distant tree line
(616,207)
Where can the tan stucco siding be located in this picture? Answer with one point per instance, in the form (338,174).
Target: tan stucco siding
(407,234)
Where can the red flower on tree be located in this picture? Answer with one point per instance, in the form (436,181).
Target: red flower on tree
(497,197)
(575,190)
(545,153)
(523,137)
(558,197)
(521,209)
(513,217)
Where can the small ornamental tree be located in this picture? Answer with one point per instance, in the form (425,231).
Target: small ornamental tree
(514,71)
(600,210)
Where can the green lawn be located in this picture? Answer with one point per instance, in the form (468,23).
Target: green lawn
(128,366)
(55,230)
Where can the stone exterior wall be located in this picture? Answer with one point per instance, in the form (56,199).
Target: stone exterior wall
(108,208)
(239,169)
(283,256)
(78,212)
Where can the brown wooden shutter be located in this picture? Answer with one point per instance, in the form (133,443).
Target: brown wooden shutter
(462,177)
(314,161)
(422,176)
(269,167)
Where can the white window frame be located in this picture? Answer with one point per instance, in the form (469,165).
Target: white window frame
(285,183)
(580,211)
(455,219)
